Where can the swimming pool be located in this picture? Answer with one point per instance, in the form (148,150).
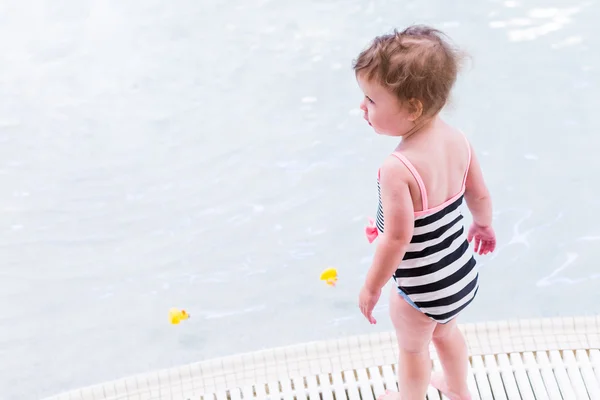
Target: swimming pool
(212,158)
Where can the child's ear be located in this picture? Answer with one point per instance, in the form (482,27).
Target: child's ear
(415,109)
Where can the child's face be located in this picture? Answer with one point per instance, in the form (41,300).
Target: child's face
(383,110)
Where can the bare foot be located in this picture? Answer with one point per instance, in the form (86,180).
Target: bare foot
(389,395)
(439,382)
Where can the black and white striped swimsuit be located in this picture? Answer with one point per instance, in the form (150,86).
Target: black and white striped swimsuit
(438,272)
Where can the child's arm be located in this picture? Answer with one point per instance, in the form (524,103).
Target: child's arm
(480,204)
(477,195)
(399,224)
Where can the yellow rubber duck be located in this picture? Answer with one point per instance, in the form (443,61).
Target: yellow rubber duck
(176,315)
(330,276)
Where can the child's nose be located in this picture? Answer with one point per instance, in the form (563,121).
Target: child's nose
(363,106)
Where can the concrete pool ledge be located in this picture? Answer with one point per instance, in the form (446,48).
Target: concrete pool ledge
(545,358)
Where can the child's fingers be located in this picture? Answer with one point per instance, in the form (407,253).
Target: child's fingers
(485,247)
(482,245)
(369,315)
(490,245)
(477,244)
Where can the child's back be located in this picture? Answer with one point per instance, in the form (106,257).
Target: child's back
(441,156)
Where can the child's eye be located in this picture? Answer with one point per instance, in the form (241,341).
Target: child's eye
(369,99)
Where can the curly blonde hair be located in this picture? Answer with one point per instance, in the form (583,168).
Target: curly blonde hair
(415,64)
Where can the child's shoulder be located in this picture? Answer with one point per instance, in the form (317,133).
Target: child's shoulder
(396,165)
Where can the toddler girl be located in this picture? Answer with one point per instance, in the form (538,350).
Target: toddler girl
(406,78)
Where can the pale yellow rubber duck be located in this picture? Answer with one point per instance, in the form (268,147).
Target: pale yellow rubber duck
(330,276)
(176,315)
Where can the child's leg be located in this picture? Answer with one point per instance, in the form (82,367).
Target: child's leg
(413,331)
(452,351)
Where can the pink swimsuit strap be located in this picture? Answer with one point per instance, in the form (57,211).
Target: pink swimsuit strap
(418,178)
(468,161)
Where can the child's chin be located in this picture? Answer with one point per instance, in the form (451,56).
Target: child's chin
(390,134)
(381,132)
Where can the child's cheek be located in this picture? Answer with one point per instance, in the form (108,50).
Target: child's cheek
(373,116)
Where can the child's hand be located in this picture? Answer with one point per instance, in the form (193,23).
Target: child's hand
(367,301)
(485,238)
